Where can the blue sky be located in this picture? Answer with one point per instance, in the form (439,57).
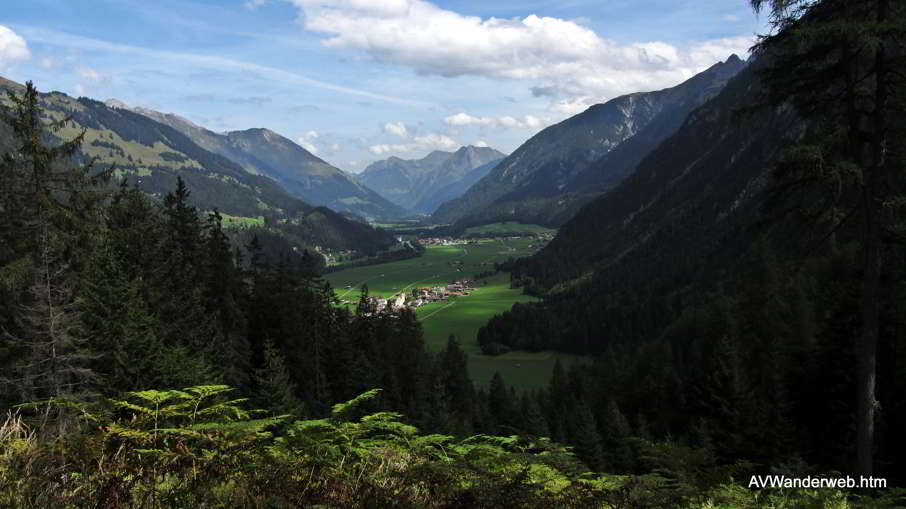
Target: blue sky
(361,80)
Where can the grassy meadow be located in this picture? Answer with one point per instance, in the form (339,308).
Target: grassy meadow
(507,228)
(461,316)
(439,265)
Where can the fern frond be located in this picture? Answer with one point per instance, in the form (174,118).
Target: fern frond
(342,410)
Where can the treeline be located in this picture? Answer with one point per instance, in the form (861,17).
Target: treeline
(106,291)
(760,369)
(378,258)
(751,296)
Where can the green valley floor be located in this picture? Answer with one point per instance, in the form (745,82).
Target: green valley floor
(461,316)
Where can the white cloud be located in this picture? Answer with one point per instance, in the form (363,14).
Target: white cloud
(306,141)
(573,105)
(430,141)
(463,118)
(309,146)
(397,128)
(481,143)
(204,61)
(13,47)
(439,141)
(93,76)
(533,122)
(506,121)
(254,4)
(49,63)
(433,40)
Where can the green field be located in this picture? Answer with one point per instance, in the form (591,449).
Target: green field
(241,222)
(439,265)
(507,228)
(462,316)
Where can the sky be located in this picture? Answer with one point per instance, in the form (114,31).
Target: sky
(355,81)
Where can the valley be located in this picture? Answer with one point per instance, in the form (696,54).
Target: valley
(461,316)
(420,254)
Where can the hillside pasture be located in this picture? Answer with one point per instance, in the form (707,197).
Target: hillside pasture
(507,228)
(460,316)
(440,265)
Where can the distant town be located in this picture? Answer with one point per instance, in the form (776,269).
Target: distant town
(445,241)
(420,296)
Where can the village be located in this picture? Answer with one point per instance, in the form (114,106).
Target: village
(420,296)
(444,241)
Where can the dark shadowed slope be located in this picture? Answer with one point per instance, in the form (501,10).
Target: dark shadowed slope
(564,166)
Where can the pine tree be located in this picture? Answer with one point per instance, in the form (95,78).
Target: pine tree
(178,286)
(257,261)
(838,62)
(56,360)
(585,437)
(533,420)
(119,325)
(223,294)
(274,388)
(614,430)
(500,405)
(41,190)
(49,209)
(453,367)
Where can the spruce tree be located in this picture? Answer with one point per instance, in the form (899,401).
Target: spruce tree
(223,296)
(49,211)
(119,326)
(838,62)
(533,420)
(585,437)
(500,405)
(274,389)
(453,367)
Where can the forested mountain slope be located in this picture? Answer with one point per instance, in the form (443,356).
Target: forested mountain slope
(304,175)
(719,304)
(684,214)
(423,184)
(151,156)
(538,183)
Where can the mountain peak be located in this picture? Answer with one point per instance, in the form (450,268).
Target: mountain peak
(171,119)
(568,162)
(116,103)
(418,183)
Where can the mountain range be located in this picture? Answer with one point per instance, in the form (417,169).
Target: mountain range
(549,177)
(421,185)
(301,173)
(684,219)
(151,155)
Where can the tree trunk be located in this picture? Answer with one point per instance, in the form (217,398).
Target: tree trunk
(867,348)
(871,278)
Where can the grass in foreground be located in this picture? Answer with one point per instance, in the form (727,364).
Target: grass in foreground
(197,447)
